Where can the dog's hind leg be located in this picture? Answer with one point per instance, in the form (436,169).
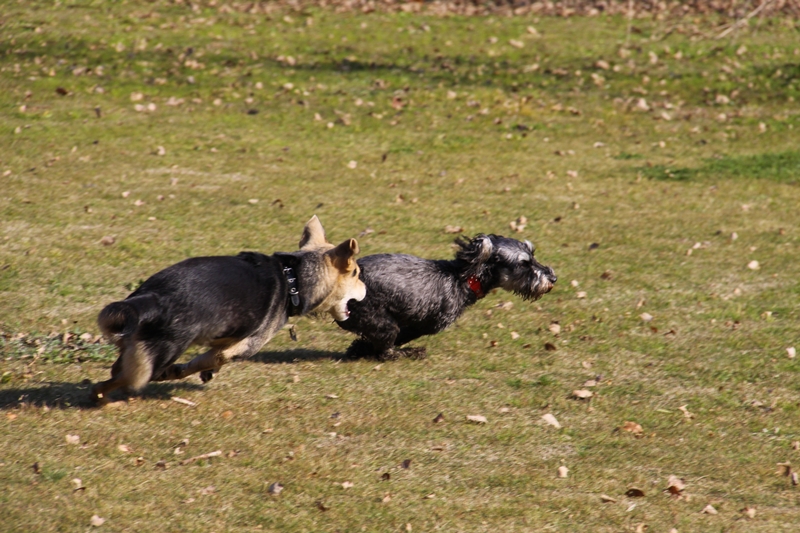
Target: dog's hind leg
(132,370)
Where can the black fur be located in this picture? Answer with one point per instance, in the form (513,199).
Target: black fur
(408,297)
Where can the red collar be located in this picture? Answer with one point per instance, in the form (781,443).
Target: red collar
(475,286)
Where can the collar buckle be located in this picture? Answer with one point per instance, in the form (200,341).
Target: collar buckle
(291,279)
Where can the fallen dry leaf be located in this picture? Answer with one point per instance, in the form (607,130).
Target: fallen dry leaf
(275,488)
(641,528)
(646,317)
(675,485)
(352,164)
(550,347)
(478,419)
(563,471)
(582,394)
(632,427)
(749,512)
(77,484)
(211,489)
(107,240)
(331,396)
(551,420)
(453,229)
(439,418)
(73,439)
(709,509)
(590,383)
(555,328)
(685,412)
(634,492)
(607,499)
(753,265)
(347,485)
(791,352)
(96,521)
(406,464)
(124,448)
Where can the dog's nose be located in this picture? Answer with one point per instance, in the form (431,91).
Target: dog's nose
(551,276)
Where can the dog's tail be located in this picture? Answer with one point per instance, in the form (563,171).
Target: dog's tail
(122,319)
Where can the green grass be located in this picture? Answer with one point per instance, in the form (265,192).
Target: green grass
(449,124)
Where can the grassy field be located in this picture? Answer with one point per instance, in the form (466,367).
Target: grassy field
(654,165)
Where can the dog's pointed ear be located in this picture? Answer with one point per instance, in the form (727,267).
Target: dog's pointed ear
(343,254)
(313,234)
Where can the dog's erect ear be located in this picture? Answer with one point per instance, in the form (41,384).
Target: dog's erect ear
(343,254)
(313,234)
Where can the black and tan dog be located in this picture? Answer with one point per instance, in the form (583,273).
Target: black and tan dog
(233,304)
(408,297)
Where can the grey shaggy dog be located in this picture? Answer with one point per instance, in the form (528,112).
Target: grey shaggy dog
(408,297)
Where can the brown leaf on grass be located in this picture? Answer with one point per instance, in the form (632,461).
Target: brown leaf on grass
(36,467)
(477,419)
(206,491)
(749,512)
(641,528)
(77,484)
(72,439)
(162,464)
(453,229)
(785,469)
(795,479)
(632,427)
(555,328)
(582,394)
(563,471)
(124,448)
(633,492)
(551,420)
(709,509)
(590,383)
(675,485)
(347,485)
(96,521)
(550,347)
(386,498)
(62,91)
(439,418)
(685,411)
(796,445)
(397,103)
(406,464)
(275,488)
(139,461)
(386,476)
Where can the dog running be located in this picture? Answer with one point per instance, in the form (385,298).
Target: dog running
(233,304)
(408,297)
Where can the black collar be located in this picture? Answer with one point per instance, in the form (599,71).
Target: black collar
(294,294)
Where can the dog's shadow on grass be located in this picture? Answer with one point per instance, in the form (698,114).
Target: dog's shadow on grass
(298,355)
(64,395)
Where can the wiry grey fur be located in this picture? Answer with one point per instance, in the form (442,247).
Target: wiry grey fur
(408,297)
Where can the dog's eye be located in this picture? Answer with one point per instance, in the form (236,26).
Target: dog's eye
(355,273)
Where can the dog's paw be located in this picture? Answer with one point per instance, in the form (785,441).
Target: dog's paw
(206,376)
